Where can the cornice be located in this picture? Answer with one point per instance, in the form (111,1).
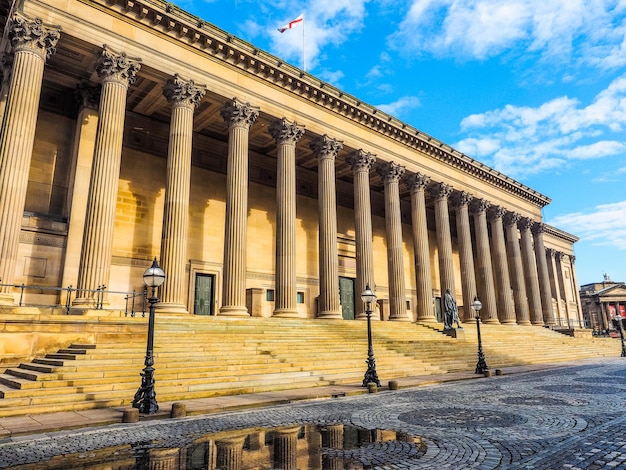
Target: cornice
(197,33)
(555,232)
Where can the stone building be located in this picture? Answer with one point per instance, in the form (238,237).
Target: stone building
(132,130)
(601,302)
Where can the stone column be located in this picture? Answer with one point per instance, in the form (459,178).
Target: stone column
(488,313)
(516,268)
(562,293)
(361,163)
(326,150)
(163,459)
(506,309)
(184,96)
(230,453)
(530,271)
(441,192)
(461,201)
(33,43)
(287,135)
(286,448)
(576,292)
(555,284)
(82,156)
(117,72)
(544,277)
(425,310)
(239,117)
(392,173)
(6,68)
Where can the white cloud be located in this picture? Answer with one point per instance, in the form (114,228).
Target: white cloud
(523,140)
(479,29)
(398,107)
(606,225)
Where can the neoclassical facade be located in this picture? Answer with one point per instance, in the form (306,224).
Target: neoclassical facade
(602,302)
(132,130)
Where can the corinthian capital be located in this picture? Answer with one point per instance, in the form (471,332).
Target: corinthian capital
(441,191)
(496,212)
(419,182)
(511,218)
(361,160)
(32,34)
(183,92)
(392,172)
(119,67)
(538,228)
(480,205)
(237,113)
(525,223)
(286,132)
(461,199)
(326,147)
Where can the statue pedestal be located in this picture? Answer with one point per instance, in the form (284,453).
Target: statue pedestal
(455,333)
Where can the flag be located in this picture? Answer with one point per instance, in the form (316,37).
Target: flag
(292,24)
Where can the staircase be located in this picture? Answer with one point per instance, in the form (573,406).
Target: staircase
(197,357)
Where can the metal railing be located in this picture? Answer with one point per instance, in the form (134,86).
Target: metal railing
(135,301)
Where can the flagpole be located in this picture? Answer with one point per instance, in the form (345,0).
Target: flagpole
(303,51)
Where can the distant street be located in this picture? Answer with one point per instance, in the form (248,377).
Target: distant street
(563,418)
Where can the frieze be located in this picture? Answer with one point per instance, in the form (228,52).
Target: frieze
(236,113)
(232,50)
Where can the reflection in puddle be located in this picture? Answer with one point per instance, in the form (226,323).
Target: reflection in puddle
(334,446)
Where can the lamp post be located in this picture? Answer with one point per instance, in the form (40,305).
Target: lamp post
(481,365)
(145,398)
(621,333)
(370,375)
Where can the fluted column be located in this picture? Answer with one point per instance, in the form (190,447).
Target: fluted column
(163,459)
(579,311)
(516,268)
(425,311)
(117,72)
(488,313)
(530,271)
(184,96)
(555,284)
(82,157)
(461,201)
(326,150)
(230,453)
(506,309)
(361,163)
(287,135)
(560,279)
(33,43)
(391,172)
(6,68)
(286,448)
(544,276)
(441,192)
(239,117)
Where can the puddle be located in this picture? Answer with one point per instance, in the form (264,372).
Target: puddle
(309,446)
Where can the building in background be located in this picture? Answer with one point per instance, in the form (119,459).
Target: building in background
(133,130)
(601,302)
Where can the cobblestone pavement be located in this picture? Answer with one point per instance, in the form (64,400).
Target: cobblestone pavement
(564,418)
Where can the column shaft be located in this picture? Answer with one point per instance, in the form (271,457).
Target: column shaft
(395,259)
(555,285)
(33,43)
(326,150)
(516,268)
(441,193)
(421,248)
(286,135)
(544,276)
(361,163)
(489,312)
(116,72)
(240,117)
(286,448)
(466,256)
(506,309)
(530,271)
(574,280)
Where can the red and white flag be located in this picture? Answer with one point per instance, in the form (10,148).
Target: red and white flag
(292,24)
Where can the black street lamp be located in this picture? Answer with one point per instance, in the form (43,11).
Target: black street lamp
(621,333)
(145,398)
(481,365)
(370,375)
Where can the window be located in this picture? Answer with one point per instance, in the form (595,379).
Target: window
(269,295)
(300,297)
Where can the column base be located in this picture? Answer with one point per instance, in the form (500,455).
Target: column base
(508,322)
(428,320)
(403,318)
(491,321)
(163,307)
(233,311)
(329,315)
(524,323)
(7,299)
(285,313)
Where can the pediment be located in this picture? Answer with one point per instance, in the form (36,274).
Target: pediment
(612,292)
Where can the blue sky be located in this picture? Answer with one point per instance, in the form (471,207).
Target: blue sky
(533,88)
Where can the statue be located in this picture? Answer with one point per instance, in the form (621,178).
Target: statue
(451,312)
